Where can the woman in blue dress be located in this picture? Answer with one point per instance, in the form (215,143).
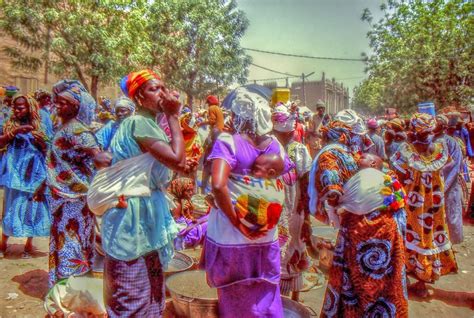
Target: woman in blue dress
(124,107)
(22,170)
(138,234)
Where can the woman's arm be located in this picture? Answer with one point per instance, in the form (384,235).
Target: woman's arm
(220,176)
(171,155)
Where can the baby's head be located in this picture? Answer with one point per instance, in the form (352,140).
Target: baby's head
(268,166)
(370,161)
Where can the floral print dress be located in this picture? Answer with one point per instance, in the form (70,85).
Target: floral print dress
(428,249)
(70,171)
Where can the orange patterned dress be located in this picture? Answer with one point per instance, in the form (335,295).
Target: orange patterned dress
(428,250)
(367,277)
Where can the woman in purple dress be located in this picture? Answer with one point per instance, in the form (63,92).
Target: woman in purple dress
(244,264)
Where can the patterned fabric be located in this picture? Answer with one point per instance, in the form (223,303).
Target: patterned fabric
(192,142)
(294,259)
(369,251)
(125,102)
(133,81)
(428,248)
(337,131)
(70,171)
(77,94)
(71,244)
(135,288)
(70,161)
(177,189)
(422,122)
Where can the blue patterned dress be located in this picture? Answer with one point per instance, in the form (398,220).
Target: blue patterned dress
(70,171)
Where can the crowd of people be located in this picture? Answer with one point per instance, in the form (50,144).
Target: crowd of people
(396,189)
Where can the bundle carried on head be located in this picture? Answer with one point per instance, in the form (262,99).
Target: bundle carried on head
(252,113)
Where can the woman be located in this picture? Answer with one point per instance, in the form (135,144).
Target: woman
(138,234)
(367,276)
(192,230)
(22,170)
(70,171)
(294,260)
(244,265)
(124,107)
(419,165)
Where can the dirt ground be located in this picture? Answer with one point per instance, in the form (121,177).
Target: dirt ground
(452,296)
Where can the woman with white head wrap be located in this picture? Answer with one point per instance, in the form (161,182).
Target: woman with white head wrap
(124,107)
(294,259)
(360,141)
(244,264)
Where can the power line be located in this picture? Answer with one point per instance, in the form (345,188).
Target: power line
(272,79)
(270,70)
(307,56)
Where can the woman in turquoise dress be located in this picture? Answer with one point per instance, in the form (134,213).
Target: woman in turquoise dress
(22,170)
(137,234)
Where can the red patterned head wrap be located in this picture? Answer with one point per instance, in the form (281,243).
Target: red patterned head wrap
(133,81)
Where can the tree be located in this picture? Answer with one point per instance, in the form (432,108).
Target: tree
(95,41)
(196,45)
(421,50)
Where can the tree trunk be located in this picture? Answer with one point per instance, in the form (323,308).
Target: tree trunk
(46,62)
(94,86)
(189,100)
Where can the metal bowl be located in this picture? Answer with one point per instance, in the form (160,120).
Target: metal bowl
(293,309)
(179,263)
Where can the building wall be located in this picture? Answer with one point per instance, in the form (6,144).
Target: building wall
(333,94)
(28,81)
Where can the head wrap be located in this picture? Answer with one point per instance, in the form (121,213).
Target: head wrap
(337,131)
(320,104)
(133,81)
(41,93)
(442,119)
(212,100)
(353,120)
(422,122)
(397,124)
(76,93)
(372,123)
(125,102)
(35,118)
(283,120)
(251,109)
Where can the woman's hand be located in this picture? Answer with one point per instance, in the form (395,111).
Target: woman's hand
(23,129)
(103,159)
(191,165)
(169,104)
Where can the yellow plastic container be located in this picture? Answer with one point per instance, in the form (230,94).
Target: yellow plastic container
(280,95)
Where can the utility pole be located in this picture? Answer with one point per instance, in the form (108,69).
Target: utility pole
(303,76)
(287,85)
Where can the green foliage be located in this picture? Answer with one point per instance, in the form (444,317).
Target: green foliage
(421,50)
(194,44)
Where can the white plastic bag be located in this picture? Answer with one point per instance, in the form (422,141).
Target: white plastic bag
(128,178)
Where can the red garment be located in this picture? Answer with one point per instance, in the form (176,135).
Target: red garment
(299,133)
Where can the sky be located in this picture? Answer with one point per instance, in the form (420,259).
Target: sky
(330,28)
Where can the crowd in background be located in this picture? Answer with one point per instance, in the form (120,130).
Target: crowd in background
(397,189)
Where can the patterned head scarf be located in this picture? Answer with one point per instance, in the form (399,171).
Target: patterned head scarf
(41,93)
(353,120)
(251,109)
(337,131)
(35,118)
(421,123)
(74,92)
(125,102)
(396,124)
(283,120)
(133,81)
(442,119)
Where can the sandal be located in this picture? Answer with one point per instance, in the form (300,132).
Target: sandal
(26,255)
